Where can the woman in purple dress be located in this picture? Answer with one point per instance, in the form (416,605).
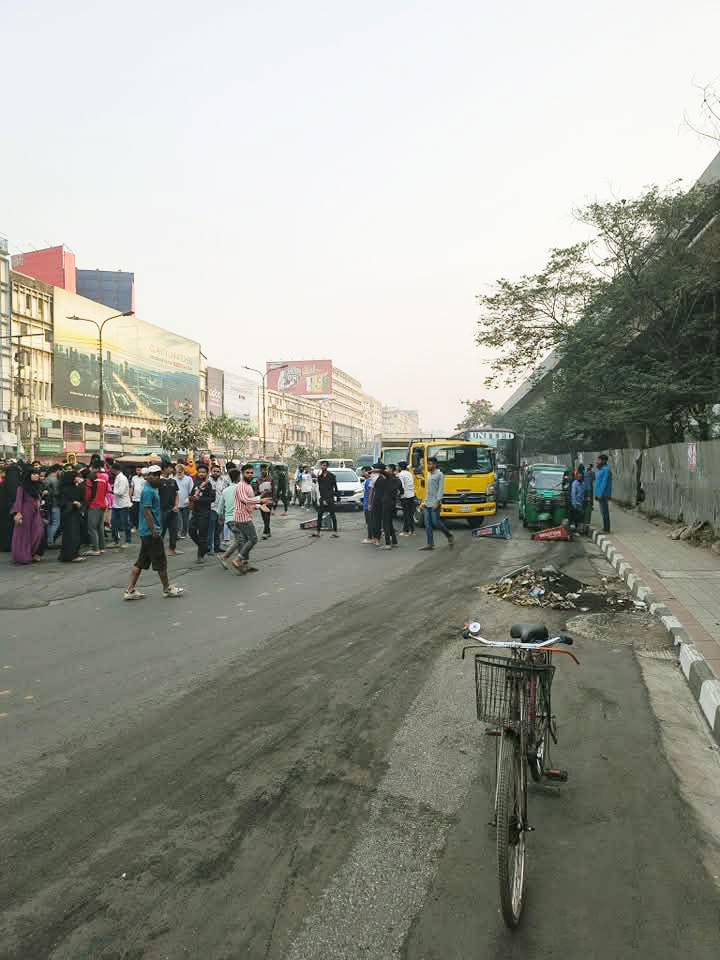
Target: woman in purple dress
(29,529)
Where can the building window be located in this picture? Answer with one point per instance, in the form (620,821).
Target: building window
(28,304)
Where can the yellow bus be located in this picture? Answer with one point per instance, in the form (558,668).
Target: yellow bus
(468,468)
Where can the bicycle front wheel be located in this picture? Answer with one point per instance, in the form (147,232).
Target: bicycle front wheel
(511,829)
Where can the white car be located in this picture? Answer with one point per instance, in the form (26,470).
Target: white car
(349,487)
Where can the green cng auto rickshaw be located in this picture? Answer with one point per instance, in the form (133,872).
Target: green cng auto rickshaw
(544,499)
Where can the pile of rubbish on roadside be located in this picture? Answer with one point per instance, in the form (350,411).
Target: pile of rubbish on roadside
(547,587)
(699,530)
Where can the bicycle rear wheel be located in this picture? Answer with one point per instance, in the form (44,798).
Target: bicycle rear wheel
(511,829)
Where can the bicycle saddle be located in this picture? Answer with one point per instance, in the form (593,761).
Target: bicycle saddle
(529,632)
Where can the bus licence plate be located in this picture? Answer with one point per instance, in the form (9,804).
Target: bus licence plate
(465,509)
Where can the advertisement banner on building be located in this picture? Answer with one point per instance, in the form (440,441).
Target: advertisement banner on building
(301,378)
(147,371)
(240,397)
(214,392)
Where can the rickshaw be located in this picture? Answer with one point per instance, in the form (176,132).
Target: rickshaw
(544,499)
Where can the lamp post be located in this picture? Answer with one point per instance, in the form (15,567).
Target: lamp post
(264,424)
(101,394)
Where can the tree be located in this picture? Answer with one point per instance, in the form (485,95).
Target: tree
(523,320)
(232,432)
(637,333)
(305,455)
(182,431)
(478,413)
(708,124)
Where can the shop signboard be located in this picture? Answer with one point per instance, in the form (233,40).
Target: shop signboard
(75,446)
(50,446)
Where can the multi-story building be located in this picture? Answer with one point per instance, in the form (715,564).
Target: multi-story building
(147,373)
(8,441)
(114,288)
(296,421)
(400,423)
(316,404)
(53,265)
(373,417)
(31,360)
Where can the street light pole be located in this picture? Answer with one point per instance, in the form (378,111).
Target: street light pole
(264,424)
(101,395)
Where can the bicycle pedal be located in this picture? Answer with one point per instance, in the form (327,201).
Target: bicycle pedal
(558,775)
(493,732)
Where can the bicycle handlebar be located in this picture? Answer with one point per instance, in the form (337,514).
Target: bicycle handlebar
(517,644)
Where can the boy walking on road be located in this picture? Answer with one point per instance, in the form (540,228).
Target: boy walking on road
(152,548)
(245,532)
(431,507)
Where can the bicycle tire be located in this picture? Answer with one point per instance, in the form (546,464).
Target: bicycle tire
(510,835)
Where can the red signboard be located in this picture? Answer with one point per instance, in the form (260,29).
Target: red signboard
(301,378)
(552,533)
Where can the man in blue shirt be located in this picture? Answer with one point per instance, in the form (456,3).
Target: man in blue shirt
(603,489)
(367,480)
(577,499)
(152,547)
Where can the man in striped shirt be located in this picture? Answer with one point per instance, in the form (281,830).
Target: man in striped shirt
(245,503)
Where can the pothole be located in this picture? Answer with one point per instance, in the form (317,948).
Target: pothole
(636,629)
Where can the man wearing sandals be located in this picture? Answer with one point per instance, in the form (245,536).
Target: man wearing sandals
(245,532)
(152,547)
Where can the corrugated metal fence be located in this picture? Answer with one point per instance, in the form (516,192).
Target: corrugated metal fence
(681,480)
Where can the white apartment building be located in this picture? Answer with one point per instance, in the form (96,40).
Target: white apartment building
(400,423)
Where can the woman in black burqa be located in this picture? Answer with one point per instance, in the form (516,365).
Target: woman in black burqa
(71,499)
(8,493)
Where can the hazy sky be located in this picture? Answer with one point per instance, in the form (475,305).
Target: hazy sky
(294,180)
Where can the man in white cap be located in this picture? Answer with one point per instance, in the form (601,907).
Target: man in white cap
(152,547)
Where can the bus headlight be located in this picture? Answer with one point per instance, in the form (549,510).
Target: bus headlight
(491,491)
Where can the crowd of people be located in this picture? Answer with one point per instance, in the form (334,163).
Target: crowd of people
(85,509)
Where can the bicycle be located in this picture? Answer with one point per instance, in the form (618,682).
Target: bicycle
(513,695)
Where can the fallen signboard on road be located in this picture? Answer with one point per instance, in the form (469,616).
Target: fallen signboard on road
(312,524)
(552,533)
(495,531)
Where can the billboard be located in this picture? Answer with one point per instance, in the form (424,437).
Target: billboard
(301,378)
(214,392)
(147,371)
(240,397)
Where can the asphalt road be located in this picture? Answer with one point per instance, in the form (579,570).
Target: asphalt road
(287,765)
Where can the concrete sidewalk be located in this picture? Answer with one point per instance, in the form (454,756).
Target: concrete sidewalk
(684,578)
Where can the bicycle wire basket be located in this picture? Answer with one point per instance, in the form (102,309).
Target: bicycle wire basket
(497,677)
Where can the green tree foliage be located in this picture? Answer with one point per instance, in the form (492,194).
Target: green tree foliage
(232,432)
(478,413)
(182,431)
(304,456)
(637,327)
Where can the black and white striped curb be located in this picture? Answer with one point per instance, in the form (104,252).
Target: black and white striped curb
(704,684)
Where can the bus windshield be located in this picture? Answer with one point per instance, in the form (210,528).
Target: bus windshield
(394,455)
(464,459)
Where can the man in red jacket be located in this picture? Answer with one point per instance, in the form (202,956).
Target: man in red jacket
(96,489)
